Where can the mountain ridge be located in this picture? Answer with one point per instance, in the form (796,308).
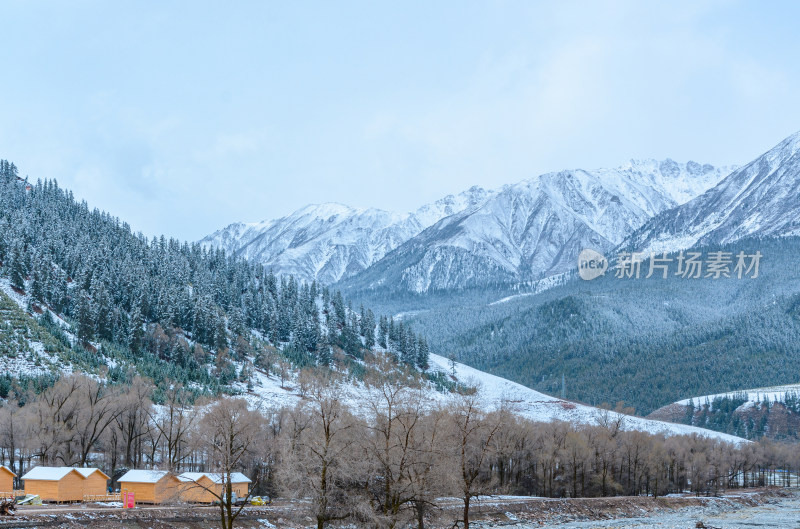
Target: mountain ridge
(473,237)
(326,242)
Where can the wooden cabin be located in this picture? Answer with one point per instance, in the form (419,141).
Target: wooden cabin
(151,486)
(6,479)
(96,483)
(206,487)
(62,484)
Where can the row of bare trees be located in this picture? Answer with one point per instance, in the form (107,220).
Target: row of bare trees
(80,420)
(396,459)
(402,458)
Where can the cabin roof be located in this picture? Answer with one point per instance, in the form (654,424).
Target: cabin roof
(215,477)
(86,472)
(8,470)
(58,473)
(143,476)
(50,473)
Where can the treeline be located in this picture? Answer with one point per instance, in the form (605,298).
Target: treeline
(387,463)
(172,301)
(772,418)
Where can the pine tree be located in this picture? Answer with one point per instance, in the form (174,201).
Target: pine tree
(367,327)
(423,354)
(383,332)
(84,317)
(135,331)
(16,269)
(325,356)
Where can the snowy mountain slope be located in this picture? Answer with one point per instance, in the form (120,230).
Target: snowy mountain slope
(493,392)
(328,242)
(536,228)
(759,199)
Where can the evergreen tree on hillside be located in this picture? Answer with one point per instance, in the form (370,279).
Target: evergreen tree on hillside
(16,268)
(84,317)
(423,354)
(140,296)
(383,332)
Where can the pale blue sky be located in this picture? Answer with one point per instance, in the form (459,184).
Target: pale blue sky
(181,117)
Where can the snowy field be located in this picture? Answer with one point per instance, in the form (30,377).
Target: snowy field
(496,391)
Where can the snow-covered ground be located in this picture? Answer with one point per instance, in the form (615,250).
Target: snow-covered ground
(537,287)
(493,392)
(496,391)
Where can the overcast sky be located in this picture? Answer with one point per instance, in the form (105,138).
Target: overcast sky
(182,117)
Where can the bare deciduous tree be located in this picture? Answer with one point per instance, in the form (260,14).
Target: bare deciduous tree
(231,434)
(318,455)
(98,407)
(470,443)
(174,422)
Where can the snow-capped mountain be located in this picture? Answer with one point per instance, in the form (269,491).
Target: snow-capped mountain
(760,199)
(525,231)
(328,242)
(536,228)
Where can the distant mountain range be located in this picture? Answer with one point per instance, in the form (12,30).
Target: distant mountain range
(329,242)
(521,232)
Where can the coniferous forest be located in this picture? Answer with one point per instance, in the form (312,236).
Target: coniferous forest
(174,310)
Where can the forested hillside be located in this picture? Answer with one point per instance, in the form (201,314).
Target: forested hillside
(772,412)
(647,342)
(166,309)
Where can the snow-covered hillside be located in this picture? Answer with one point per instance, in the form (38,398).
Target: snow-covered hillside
(26,349)
(493,392)
(760,199)
(30,357)
(328,242)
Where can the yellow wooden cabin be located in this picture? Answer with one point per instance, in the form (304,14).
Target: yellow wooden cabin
(63,484)
(151,486)
(6,480)
(206,487)
(96,483)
